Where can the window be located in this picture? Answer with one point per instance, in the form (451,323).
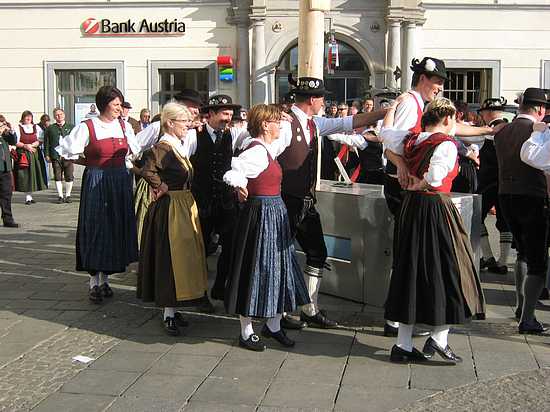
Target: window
(80,86)
(472,86)
(349,82)
(172,81)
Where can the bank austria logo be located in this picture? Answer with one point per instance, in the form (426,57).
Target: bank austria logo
(92,27)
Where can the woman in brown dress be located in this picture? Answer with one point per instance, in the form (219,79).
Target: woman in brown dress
(172,265)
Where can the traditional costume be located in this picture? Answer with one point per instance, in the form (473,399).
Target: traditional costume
(63,169)
(6,139)
(30,168)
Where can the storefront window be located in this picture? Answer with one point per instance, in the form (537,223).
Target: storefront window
(173,81)
(76,87)
(349,82)
(472,86)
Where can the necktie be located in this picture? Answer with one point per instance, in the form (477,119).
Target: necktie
(218,134)
(312,131)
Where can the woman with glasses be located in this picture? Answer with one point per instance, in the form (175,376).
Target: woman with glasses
(172,264)
(265,279)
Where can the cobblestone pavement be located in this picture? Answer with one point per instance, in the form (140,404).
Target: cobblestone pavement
(46,320)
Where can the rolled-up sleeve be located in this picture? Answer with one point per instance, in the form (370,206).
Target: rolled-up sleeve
(328,126)
(72,146)
(535,151)
(148,136)
(392,139)
(442,162)
(354,140)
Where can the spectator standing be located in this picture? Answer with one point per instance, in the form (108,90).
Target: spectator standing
(7,139)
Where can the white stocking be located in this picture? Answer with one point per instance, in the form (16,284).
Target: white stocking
(246,327)
(440,335)
(405,337)
(274,324)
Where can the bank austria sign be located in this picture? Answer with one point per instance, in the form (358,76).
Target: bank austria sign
(93,27)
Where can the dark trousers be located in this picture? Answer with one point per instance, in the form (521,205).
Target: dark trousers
(5,196)
(305,226)
(63,168)
(222,221)
(394,198)
(489,199)
(527,217)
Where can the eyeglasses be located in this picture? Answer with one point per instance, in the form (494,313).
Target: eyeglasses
(181,120)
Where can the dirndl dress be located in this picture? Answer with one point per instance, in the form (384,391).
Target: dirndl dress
(29,176)
(106,237)
(265,278)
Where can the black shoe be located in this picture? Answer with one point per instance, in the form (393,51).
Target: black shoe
(33,201)
(60,200)
(279,336)
(319,320)
(391,331)
(431,347)
(68,199)
(400,355)
(517,314)
(95,295)
(217,294)
(252,343)
(170,327)
(533,327)
(27,202)
(106,290)
(485,263)
(180,321)
(288,322)
(10,224)
(498,269)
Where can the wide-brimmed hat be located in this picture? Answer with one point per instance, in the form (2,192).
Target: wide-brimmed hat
(126,105)
(534,95)
(189,95)
(493,104)
(239,115)
(430,66)
(220,101)
(307,86)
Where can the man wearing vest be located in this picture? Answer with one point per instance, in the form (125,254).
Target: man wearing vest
(299,145)
(215,199)
(491,111)
(63,169)
(429,76)
(7,137)
(524,201)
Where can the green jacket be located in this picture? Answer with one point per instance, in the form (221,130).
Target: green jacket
(5,156)
(51,138)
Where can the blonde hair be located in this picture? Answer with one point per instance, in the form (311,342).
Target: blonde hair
(436,111)
(173,111)
(262,113)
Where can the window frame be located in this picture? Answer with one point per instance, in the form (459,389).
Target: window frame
(494,66)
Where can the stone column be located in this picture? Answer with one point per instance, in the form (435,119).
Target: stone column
(394,51)
(410,53)
(243,64)
(258,62)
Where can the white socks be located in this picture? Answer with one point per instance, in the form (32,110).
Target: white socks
(94,281)
(405,337)
(68,188)
(505,246)
(274,324)
(486,251)
(103,278)
(440,334)
(313,281)
(28,197)
(392,323)
(169,313)
(59,187)
(246,327)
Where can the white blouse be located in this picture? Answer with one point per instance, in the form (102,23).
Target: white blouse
(72,146)
(248,165)
(535,151)
(28,128)
(443,159)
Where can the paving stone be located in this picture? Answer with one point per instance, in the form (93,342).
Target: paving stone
(141,404)
(239,369)
(288,409)
(68,402)
(194,346)
(312,370)
(195,406)
(381,398)
(125,361)
(247,391)
(188,365)
(362,371)
(100,382)
(303,395)
(137,343)
(156,386)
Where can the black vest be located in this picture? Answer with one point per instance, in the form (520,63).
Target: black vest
(487,175)
(299,163)
(210,162)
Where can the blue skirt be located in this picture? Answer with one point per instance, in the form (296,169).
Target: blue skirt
(265,278)
(106,238)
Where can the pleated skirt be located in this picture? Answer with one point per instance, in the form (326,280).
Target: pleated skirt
(434,281)
(106,237)
(265,278)
(172,263)
(34,177)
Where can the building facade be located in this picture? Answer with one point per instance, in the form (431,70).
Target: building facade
(57,53)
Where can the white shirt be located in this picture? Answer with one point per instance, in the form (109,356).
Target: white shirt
(442,161)
(28,128)
(72,146)
(248,165)
(535,151)
(406,114)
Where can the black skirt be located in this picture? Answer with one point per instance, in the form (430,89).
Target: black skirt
(434,268)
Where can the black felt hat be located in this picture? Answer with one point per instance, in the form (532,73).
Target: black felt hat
(189,95)
(126,105)
(221,101)
(430,66)
(493,104)
(534,95)
(308,86)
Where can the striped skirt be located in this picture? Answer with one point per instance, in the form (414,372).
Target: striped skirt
(106,237)
(264,278)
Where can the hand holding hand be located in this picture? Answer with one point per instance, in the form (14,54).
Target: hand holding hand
(160,191)
(30,148)
(403,176)
(416,184)
(242,194)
